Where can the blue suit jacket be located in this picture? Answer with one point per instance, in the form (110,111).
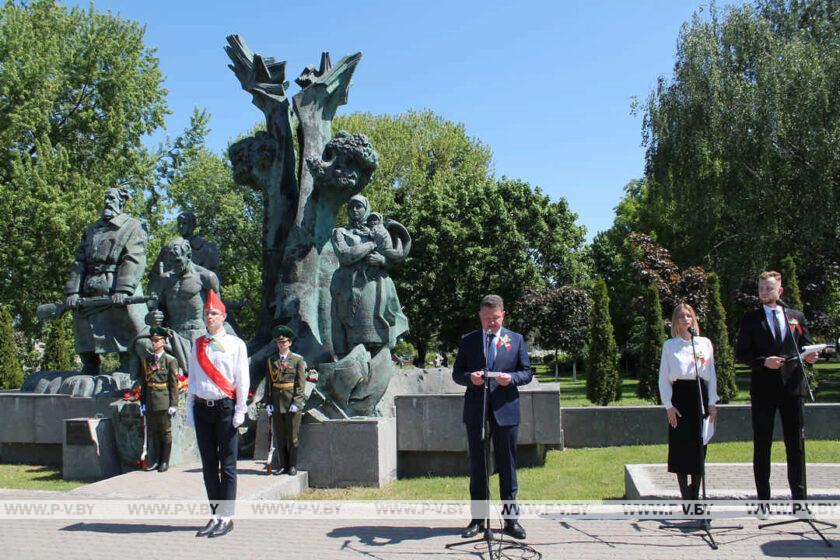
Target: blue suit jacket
(504,401)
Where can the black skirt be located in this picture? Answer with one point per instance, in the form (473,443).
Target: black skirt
(684,453)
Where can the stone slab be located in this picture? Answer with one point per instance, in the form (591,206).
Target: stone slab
(433,423)
(90,450)
(729,481)
(354,452)
(39,419)
(186,482)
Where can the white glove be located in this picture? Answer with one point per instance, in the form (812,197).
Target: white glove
(238,419)
(172,410)
(142,410)
(270,409)
(293,409)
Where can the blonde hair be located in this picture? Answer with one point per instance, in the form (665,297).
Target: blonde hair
(770,274)
(674,328)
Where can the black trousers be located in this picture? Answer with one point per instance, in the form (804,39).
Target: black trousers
(504,453)
(218,444)
(791,408)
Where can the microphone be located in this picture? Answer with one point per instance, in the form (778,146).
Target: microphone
(692,332)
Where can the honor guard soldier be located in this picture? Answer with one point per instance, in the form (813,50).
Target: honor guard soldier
(159,398)
(285,399)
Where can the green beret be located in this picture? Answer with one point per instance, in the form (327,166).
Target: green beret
(283,331)
(158,331)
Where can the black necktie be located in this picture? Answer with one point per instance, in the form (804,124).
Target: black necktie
(778,326)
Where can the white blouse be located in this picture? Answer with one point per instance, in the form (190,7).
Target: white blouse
(678,364)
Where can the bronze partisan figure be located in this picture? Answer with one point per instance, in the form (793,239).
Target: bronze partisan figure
(110,262)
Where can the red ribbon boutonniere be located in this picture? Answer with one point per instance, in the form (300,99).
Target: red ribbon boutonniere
(504,340)
(794,324)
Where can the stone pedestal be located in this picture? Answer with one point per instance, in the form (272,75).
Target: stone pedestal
(342,453)
(32,425)
(432,439)
(355,452)
(90,450)
(128,428)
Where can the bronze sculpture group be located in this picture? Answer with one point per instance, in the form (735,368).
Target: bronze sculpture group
(327,282)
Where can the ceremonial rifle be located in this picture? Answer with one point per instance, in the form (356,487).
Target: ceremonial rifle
(53,311)
(270,445)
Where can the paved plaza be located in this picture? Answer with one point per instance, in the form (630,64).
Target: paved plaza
(326,539)
(391,538)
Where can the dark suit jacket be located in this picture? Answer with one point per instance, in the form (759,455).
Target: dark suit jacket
(756,342)
(504,401)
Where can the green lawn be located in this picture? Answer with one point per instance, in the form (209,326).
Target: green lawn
(34,477)
(573,474)
(573,392)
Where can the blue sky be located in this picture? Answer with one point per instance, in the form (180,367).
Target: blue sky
(547,85)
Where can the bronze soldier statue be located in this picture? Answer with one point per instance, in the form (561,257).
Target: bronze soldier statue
(181,292)
(110,262)
(159,398)
(204,253)
(285,399)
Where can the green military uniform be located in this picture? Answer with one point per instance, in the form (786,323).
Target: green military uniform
(285,383)
(158,392)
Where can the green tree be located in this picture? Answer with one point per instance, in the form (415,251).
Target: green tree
(472,234)
(743,140)
(11,373)
(603,384)
(78,91)
(791,285)
(58,348)
(560,318)
(716,331)
(651,350)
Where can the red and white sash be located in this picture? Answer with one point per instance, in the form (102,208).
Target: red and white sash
(211,370)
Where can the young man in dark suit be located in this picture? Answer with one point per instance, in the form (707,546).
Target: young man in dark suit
(776,382)
(501,350)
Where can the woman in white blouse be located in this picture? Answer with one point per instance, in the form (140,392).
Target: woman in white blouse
(678,392)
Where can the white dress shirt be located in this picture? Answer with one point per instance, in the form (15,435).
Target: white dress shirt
(230,356)
(768,313)
(677,363)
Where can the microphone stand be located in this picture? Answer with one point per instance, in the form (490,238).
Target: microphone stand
(705,523)
(801,440)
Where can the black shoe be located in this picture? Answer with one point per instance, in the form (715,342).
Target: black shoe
(514,529)
(475,527)
(208,528)
(151,467)
(292,468)
(222,529)
(163,467)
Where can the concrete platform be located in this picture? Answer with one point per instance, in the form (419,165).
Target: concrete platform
(185,482)
(729,481)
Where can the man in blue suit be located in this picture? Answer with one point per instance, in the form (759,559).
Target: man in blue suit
(501,350)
